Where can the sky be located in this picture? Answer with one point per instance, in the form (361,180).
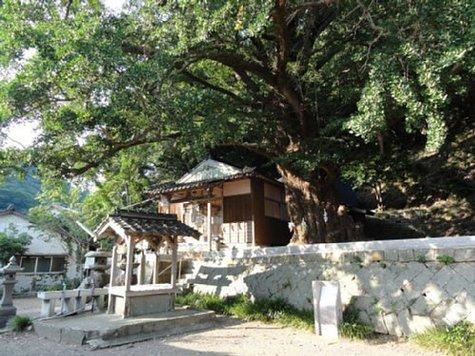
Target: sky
(23,134)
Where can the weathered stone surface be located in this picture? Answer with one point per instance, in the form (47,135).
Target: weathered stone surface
(396,289)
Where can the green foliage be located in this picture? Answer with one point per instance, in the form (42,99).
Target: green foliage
(12,244)
(455,340)
(20,323)
(136,98)
(352,327)
(265,310)
(445,259)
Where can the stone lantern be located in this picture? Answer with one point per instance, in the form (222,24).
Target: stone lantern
(7,310)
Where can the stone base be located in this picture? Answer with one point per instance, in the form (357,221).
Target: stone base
(144,305)
(106,330)
(6,313)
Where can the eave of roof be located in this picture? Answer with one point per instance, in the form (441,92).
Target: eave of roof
(177,187)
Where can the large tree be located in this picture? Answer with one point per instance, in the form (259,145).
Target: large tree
(311,85)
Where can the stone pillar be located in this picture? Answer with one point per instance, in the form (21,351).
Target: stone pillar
(7,310)
(327,308)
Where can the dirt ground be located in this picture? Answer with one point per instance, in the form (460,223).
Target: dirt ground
(231,337)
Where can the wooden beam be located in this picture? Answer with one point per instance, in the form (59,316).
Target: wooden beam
(141,272)
(156,268)
(129,263)
(190,199)
(173,269)
(111,300)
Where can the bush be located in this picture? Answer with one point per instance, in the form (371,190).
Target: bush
(20,323)
(455,340)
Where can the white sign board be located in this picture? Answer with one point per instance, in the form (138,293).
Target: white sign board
(327,308)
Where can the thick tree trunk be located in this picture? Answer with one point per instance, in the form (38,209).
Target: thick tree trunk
(315,212)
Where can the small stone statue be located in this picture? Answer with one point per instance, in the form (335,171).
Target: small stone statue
(7,310)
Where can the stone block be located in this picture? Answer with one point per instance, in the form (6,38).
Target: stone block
(417,323)
(464,255)
(434,294)
(454,313)
(378,323)
(406,255)
(391,255)
(420,306)
(73,337)
(465,270)
(392,325)
(47,331)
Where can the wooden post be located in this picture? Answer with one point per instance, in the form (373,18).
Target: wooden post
(208,225)
(130,263)
(141,273)
(113,276)
(174,263)
(111,300)
(156,268)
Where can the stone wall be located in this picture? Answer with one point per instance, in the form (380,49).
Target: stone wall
(399,286)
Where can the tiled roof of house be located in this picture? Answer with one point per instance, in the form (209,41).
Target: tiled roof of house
(175,187)
(146,224)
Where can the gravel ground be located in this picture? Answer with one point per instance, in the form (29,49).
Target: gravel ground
(231,337)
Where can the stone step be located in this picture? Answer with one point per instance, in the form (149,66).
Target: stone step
(97,344)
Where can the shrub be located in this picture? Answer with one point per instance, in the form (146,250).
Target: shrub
(455,340)
(20,323)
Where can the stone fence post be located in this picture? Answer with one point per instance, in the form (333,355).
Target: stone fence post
(7,310)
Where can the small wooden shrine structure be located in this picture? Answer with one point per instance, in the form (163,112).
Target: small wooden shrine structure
(145,231)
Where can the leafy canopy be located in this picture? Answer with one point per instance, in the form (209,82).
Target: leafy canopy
(129,99)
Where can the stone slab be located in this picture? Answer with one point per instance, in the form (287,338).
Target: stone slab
(105,328)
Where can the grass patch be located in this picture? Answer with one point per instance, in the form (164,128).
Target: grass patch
(265,310)
(454,340)
(20,323)
(274,311)
(352,327)
(446,260)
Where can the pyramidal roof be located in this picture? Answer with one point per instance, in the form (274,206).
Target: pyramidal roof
(209,169)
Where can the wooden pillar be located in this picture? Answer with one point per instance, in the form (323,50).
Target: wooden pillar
(141,272)
(208,225)
(174,262)
(156,268)
(113,276)
(111,300)
(130,262)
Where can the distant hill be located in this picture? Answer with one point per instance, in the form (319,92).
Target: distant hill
(20,193)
